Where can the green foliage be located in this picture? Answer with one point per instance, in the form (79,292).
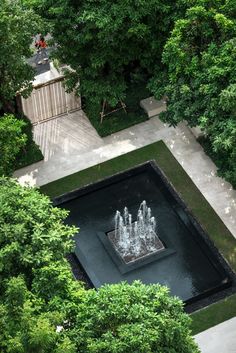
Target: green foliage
(56,286)
(117,319)
(29,323)
(17,26)
(30,153)
(32,232)
(104,42)
(38,294)
(12,140)
(26,327)
(66,346)
(132,318)
(201,59)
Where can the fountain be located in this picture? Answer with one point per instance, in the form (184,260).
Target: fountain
(135,240)
(113,247)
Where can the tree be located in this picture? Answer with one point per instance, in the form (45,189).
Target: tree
(136,318)
(30,152)
(115,319)
(17,26)
(105,42)
(12,140)
(32,232)
(55,284)
(38,294)
(26,326)
(200,85)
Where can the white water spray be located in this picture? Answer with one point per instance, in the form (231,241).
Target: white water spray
(138,238)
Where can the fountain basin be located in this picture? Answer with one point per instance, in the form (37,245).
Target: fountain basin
(190,265)
(134,264)
(130,258)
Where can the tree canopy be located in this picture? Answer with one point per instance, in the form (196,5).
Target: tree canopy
(32,232)
(104,43)
(117,318)
(38,293)
(17,26)
(185,50)
(123,318)
(12,139)
(201,82)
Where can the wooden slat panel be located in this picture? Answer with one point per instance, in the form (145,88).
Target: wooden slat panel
(48,101)
(73,102)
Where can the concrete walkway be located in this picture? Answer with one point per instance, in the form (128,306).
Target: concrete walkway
(71,144)
(218,339)
(64,137)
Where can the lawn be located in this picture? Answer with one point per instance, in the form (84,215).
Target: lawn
(214,314)
(120,120)
(209,220)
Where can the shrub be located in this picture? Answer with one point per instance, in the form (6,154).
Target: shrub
(32,232)
(123,318)
(12,140)
(30,152)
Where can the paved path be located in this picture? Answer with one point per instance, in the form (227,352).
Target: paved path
(64,137)
(71,144)
(218,339)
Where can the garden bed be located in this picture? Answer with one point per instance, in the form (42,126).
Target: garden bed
(120,120)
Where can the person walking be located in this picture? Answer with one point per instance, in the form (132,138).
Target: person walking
(41,46)
(41,43)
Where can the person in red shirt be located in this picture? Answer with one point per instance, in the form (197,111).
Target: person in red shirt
(41,46)
(41,43)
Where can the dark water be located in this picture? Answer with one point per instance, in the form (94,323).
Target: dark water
(190,271)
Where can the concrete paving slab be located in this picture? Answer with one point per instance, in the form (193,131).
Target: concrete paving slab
(218,339)
(66,135)
(203,172)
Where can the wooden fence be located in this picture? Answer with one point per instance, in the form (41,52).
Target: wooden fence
(49,100)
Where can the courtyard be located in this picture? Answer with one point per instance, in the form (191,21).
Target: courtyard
(117,177)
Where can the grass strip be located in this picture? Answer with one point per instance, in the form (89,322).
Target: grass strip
(213,314)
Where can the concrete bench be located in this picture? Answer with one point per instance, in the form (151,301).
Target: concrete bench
(152,106)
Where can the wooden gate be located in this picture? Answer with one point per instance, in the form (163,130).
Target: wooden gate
(49,100)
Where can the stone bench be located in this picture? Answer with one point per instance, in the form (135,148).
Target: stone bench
(152,106)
